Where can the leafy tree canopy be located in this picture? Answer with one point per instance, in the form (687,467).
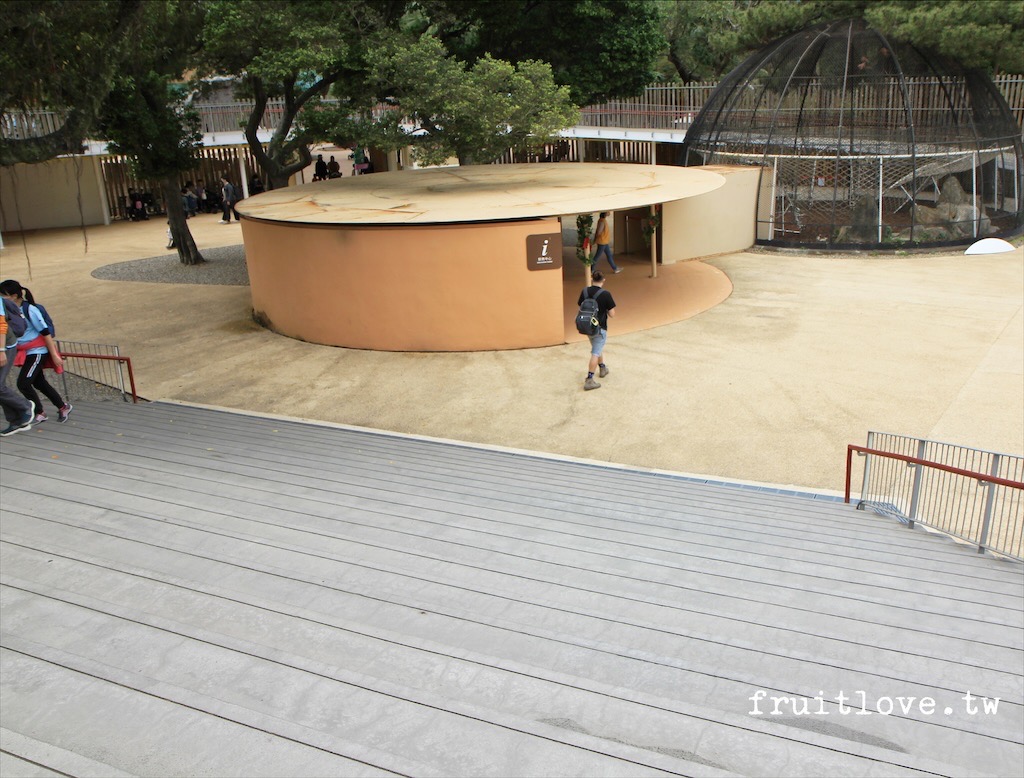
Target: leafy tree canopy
(147,118)
(706,38)
(445,108)
(63,57)
(294,50)
(600,49)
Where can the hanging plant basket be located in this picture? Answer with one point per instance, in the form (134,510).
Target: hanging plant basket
(651,224)
(584,224)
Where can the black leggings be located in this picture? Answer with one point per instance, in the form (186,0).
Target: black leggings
(31,378)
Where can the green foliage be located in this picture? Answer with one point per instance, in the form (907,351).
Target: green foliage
(295,50)
(986,34)
(475,113)
(651,224)
(142,119)
(707,38)
(144,116)
(700,36)
(584,225)
(278,43)
(63,57)
(600,49)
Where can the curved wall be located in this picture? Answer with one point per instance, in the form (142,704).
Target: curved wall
(445,287)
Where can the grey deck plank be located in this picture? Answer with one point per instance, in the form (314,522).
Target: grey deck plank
(819,593)
(481,578)
(735,498)
(361,647)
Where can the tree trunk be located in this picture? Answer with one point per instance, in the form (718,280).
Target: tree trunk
(188,254)
(274,159)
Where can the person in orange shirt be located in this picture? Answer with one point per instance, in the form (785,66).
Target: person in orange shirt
(603,238)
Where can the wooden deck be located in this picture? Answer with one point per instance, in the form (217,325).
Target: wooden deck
(188,591)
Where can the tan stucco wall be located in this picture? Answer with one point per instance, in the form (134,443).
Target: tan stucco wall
(715,222)
(45,196)
(462,287)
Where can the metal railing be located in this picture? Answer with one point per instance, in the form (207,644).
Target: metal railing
(99,363)
(974,495)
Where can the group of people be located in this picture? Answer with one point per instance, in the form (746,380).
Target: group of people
(137,205)
(29,345)
(201,198)
(324,170)
(361,165)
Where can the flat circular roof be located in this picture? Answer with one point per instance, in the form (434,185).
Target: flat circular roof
(478,193)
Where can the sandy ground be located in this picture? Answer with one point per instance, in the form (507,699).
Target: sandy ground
(806,355)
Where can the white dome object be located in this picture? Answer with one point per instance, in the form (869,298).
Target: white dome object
(989,246)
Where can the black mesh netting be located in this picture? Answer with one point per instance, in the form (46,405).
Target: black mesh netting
(865,142)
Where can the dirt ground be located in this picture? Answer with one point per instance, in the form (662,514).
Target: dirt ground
(806,355)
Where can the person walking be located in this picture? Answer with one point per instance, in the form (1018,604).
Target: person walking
(603,237)
(18,411)
(229,196)
(605,308)
(36,350)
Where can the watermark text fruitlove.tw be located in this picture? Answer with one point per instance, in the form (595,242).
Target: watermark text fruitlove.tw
(860,703)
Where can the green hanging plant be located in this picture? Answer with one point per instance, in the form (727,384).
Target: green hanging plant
(652,224)
(584,224)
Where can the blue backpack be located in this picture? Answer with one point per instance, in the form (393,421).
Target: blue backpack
(46,316)
(15,318)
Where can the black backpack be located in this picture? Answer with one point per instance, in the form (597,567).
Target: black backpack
(586,319)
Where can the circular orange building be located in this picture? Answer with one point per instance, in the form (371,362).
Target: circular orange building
(442,259)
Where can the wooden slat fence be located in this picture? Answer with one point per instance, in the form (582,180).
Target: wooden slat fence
(212,162)
(877,104)
(663,106)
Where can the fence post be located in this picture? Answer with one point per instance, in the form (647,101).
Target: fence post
(915,496)
(867,471)
(990,503)
(880,192)
(974,194)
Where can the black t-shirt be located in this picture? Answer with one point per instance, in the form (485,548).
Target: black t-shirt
(605,303)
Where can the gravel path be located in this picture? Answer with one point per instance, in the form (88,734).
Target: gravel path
(225,266)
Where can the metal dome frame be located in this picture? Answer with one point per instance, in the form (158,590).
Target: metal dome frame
(866,143)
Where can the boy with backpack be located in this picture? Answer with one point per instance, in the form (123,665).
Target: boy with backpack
(596,305)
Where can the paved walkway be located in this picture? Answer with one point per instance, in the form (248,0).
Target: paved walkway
(805,356)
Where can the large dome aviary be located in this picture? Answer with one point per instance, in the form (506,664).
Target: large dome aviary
(866,142)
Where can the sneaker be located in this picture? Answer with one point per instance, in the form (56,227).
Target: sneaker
(62,414)
(40,418)
(604,371)
(617,270)
(590,383)
(14,429)
(223,222)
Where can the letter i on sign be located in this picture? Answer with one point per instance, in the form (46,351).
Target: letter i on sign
(544,253)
